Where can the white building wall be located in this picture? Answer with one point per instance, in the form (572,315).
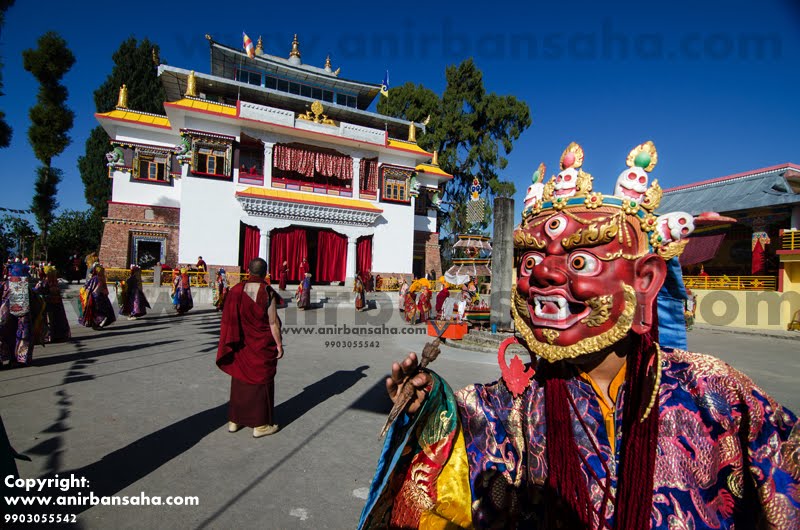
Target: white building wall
(199,124)
(210,217)
(124,189)
(393,244)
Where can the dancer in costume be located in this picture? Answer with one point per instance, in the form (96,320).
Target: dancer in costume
(402,294)
(97,310)
(410,307)
(441,297)
(220,289)
(134,303)
(612,425)
(424,304)
(17,305)
(361,297)
(304,299)
(57,325)
(183,292)
(176,280)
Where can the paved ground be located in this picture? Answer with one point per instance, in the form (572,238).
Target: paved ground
(141,408)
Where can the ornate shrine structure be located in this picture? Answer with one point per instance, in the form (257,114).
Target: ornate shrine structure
(267,156)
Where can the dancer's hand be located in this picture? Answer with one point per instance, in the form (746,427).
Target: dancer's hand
(420,380)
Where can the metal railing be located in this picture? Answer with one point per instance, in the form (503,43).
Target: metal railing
(731,283)
(196,278)
(790,240)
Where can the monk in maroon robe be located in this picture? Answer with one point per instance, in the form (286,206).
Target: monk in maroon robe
(443,295)
(249,348)
(284,276)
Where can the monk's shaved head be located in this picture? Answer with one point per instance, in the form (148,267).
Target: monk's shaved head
(258,267)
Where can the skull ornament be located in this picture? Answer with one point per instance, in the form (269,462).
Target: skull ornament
(632,184)
(566,183)
(534,194)
(674,226)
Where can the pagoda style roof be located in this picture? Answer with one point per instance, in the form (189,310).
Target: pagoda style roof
(767,187)
(225,60)
(216,89)
(135,117)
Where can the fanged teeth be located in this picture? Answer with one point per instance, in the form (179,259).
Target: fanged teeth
(560,301)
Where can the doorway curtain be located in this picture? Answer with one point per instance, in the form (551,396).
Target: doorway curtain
(252,240)
(331,256)
(288,245)
(364,255)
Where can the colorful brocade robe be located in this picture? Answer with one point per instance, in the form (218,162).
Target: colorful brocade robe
(728,455)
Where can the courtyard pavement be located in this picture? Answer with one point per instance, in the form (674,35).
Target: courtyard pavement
(140,408)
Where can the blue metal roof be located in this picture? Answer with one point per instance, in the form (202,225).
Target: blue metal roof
(759,189)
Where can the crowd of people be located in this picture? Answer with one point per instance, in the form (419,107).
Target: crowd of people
(32,309)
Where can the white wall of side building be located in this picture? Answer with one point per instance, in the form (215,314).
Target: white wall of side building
(393,243)
(125,189)
(210,217)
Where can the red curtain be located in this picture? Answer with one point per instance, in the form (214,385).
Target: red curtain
(289,158)
(338,166)
(368,173)
(305,162)
(331,256)
(252,240)
(759,263)
(364,255)
(287,245)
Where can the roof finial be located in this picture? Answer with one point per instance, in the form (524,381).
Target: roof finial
(412,132)
(294,55)
(328,67)
(259,46)
(191,85)
(435,161)
(122,100)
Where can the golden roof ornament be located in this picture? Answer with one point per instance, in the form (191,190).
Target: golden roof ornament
(336,72)
(412,132)
(435,161)
(294,55)
(328,67)
(259,46)
(122,100)
(191,85)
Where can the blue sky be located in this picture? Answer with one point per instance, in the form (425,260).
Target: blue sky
(713,84)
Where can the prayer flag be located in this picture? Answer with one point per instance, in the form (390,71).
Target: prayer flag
(385,85)
(248,45)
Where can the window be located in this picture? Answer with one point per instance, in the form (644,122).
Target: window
(150,166)
(211,161)
(251,78)
(294,87)
(396,184)
(211,156)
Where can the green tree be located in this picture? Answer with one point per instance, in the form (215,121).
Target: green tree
(134,66)
(473,131)
(72,232)
(17,236)
(51,121)
(5,128)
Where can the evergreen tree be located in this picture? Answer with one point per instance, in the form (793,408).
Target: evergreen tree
(472,129)
(134,66)
(51,121)
(5,128)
